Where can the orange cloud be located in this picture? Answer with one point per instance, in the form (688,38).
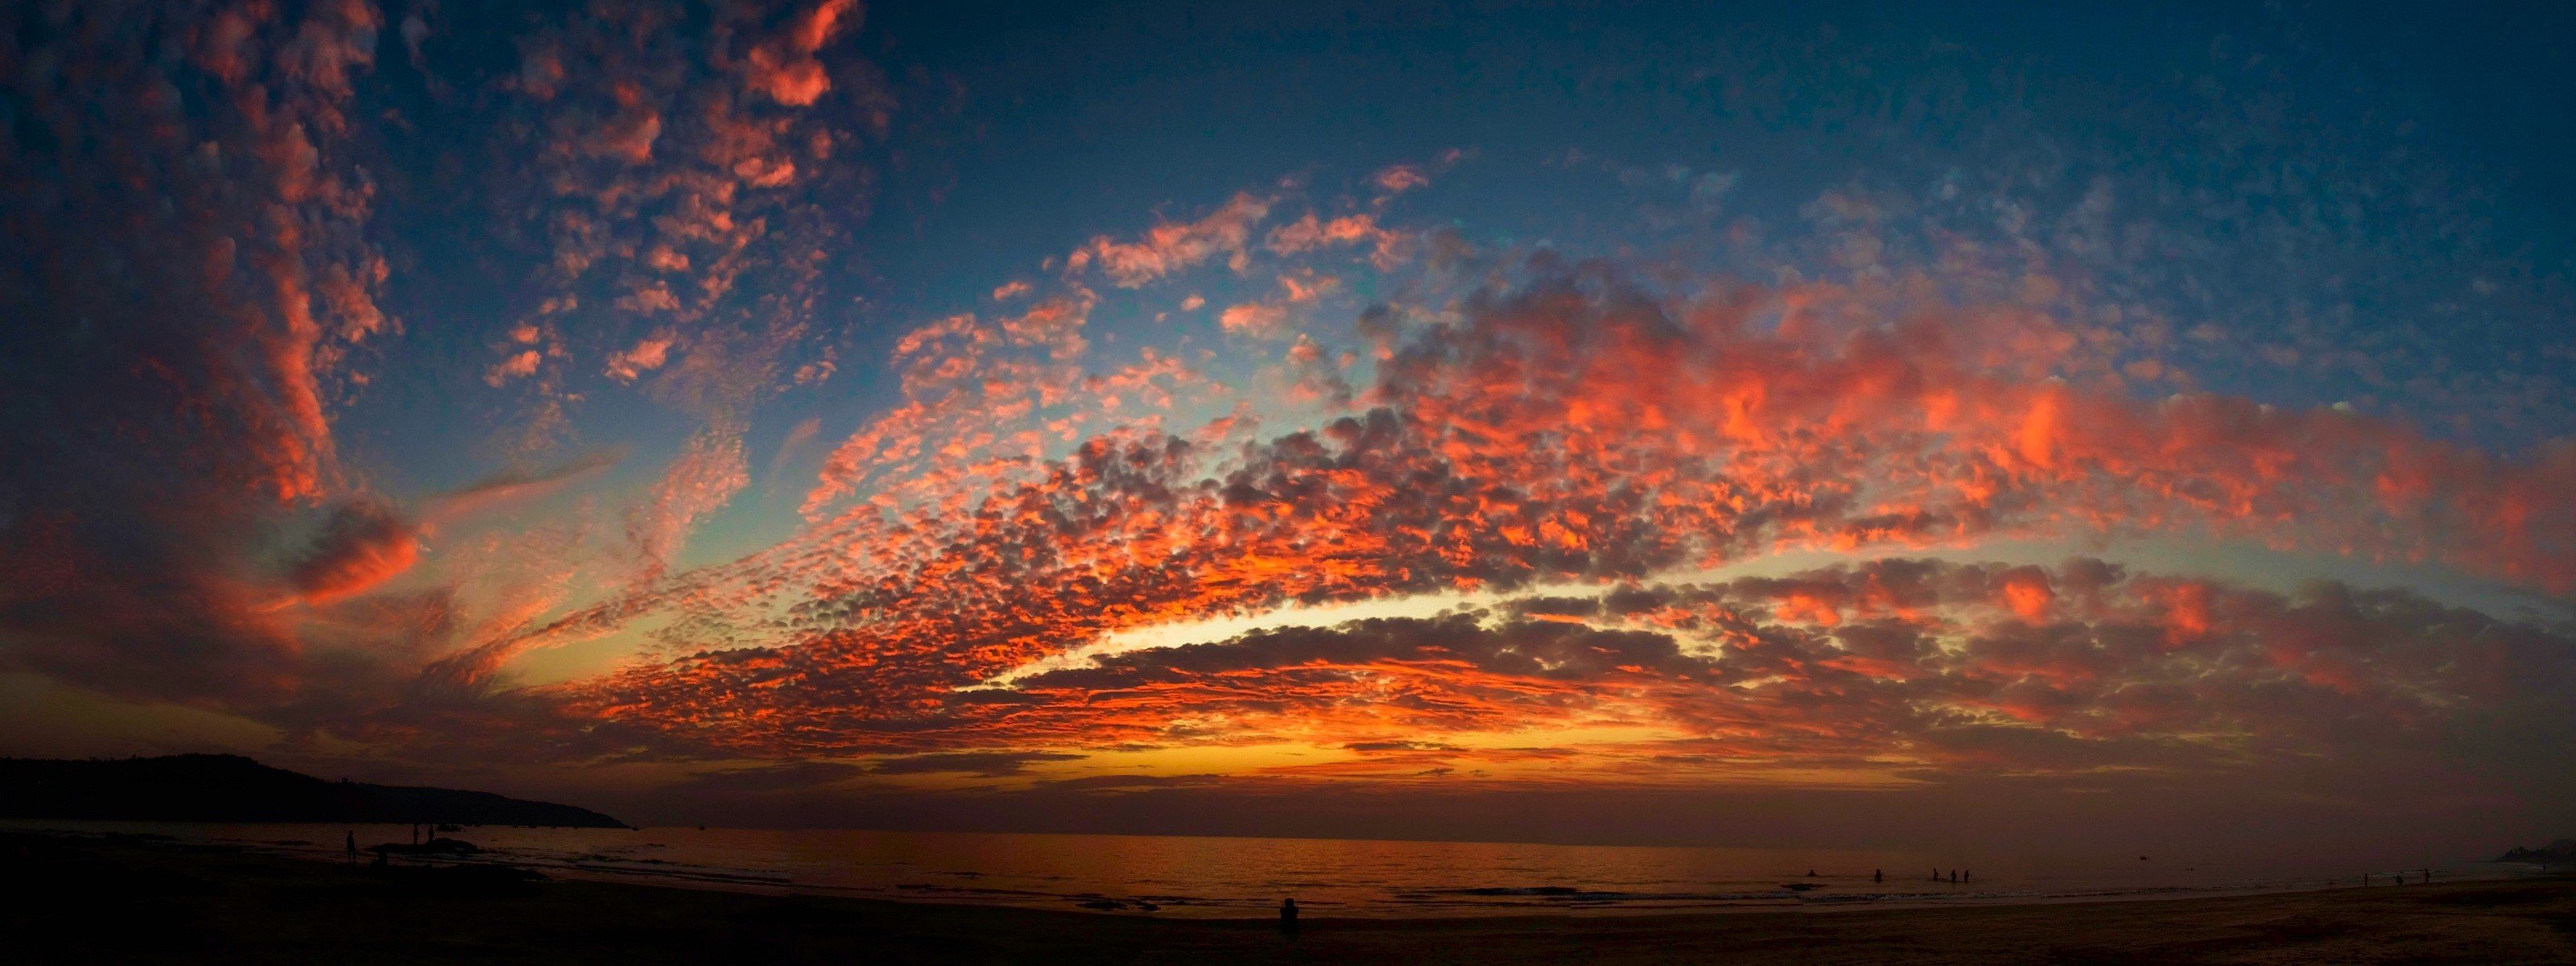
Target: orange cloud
(785,68)
(1703,687)
(1252,318)
(362,545)
(1400,178)
(519,365)
(1171,246)
(645,356)
(1572,430)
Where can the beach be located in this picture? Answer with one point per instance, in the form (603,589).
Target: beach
(97,899)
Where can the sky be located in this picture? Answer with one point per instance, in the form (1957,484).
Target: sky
(1841,424)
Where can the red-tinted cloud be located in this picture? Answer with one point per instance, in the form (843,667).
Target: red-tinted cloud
(1916,670)
(188,274)
(1575,430)
(1172,246)
(362,545)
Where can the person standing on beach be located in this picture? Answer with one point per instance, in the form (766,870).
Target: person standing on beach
(1878,875)
(1288,915)
(353,848)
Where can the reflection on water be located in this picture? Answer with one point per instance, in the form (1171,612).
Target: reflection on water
(1236,877)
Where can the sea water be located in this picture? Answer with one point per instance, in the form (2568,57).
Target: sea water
(1205,876)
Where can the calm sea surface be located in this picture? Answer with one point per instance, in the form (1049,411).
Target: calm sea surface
(1234,877)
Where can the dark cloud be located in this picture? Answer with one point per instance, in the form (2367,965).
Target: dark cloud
(217,217)
(1539,649)
(361,545)
(184,262)
(1555,606)
(768,779)
(1116,783)
(989,764)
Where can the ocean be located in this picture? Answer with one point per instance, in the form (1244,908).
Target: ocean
(1197,876)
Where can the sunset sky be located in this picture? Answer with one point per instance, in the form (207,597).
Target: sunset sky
(1869,423)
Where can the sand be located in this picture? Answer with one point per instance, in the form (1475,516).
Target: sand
(95,901)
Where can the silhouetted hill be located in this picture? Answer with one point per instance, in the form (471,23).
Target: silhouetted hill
(231,788)
(2561,852)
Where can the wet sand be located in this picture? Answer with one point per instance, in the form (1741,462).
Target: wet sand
(144,901)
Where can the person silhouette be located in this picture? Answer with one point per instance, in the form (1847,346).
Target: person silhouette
(1878,875)
(1287,915)
(1954,877)
(353,847)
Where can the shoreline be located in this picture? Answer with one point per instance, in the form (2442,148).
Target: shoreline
(146,901)
(1423,902)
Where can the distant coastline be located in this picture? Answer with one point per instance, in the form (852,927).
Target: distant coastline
(2561,852)
(231,788)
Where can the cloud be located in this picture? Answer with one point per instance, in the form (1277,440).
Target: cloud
(987,764)
(204,292)
(363,544)
(680,195)
(785,67)
(518,366)
(1396,179)
(1172,246)
(659,206)
(1575,429)
(1308,233)
(1252,318)
(1898,670)
(1399,178)
(1398,746)
(647,355)
(970,387)
(709,471)
(192,284)
(511,486)
(797,776)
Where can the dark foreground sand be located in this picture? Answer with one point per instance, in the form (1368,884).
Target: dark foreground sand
(138,901)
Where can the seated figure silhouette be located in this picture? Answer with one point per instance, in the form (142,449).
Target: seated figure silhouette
(1287,915)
